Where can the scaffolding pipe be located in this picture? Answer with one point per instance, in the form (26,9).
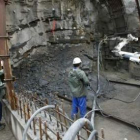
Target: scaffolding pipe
(32,117)
(75,128)
(94,134)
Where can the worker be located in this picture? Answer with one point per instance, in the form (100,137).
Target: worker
(78,82)
(2,93)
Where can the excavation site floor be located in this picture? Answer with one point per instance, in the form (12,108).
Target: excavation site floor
(124,101)
(113,129)
(6,134)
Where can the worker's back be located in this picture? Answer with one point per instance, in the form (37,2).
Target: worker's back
(77,82)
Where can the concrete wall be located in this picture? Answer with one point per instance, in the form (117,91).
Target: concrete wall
(16,124)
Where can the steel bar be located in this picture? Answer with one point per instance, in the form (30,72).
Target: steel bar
(102,133)
(20,108)
(40,128)
(16,104)
(68,128)
(28,111)
(4,56)
(59,117)
(60,122)
(56,116)
(13,79)
(5,37)
(34,128)
(58,137)
(50,117)
(65,121)
(64,116)
(78,136)
(51,131)
(24,110)
(88,133)
(45,125)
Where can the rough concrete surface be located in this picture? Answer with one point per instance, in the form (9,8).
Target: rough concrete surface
(113,130)
(6,134)
(125,111)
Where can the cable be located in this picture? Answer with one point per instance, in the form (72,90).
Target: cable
(101,111)
(125,101)
(92,89)
(138,128)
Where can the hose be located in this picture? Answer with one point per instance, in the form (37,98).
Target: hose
(32,117)
(128,102)
(75,128)
(94,134)
(98,85)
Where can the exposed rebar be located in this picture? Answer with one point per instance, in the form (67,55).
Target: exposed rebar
(32,117)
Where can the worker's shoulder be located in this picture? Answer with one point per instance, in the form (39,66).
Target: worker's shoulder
(70,72)
(79,71)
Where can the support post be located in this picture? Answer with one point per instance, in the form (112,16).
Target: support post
(4,51)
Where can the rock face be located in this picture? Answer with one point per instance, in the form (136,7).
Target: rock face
(36,23)
(48,34)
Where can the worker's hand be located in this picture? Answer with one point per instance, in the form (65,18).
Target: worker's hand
(88,87)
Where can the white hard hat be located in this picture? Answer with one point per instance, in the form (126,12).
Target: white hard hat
(1,63)
(77,60)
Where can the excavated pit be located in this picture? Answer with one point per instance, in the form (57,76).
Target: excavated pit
(43,45)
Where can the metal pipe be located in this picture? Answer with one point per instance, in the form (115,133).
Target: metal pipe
(46,135)
(94,134)
(102,133)
(32,117)
(75,128)
(34,127)
(40,128)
